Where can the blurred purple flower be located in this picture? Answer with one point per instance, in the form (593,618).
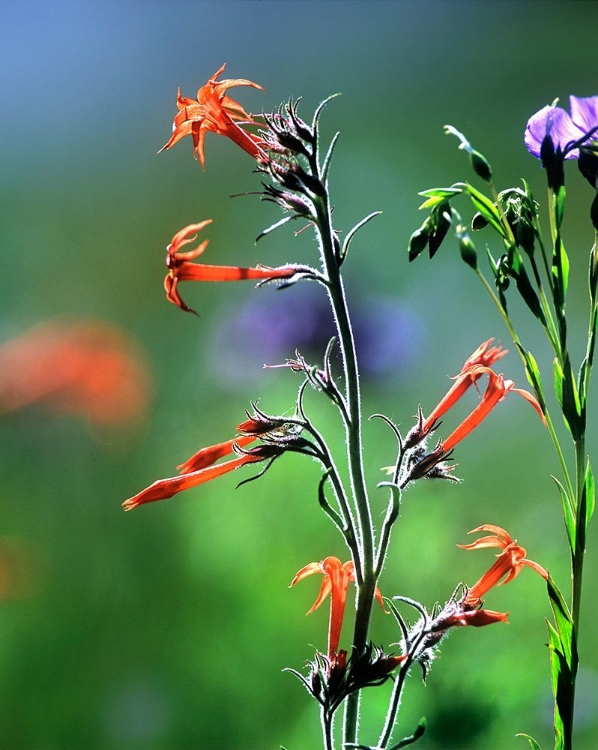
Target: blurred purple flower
(271,326)
(565,130)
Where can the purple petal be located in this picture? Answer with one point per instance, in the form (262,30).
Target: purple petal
(584,112)
(556,122)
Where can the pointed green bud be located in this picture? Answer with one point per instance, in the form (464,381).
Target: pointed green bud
(466,246)
(588,163)
(480,166)
(478,222)
(479,162)
(594,212)
(418,242)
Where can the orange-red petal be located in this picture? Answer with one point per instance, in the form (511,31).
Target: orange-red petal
(163,489)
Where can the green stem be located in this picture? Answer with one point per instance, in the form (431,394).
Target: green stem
(365,574)
(327,725)
(578,553)
(393,708)
(549,424)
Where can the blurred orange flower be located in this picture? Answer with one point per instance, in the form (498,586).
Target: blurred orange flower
(181,267)
(87,368)
(214,110)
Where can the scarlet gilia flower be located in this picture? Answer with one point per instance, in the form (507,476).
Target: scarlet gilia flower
(202,466)
(473,369)
(496,390)
(464,608)
(214,110)
(508,565)
(336,583)
(86,368)
(181,267)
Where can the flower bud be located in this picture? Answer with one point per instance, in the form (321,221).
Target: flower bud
(588,164)
(481,166)
(467,248)
(418,242)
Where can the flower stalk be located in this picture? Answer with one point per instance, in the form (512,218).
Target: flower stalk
(285,151)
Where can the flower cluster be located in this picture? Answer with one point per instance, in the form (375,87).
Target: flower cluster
(465,607)
(424,464)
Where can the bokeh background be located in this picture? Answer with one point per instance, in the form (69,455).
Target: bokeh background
(168,628)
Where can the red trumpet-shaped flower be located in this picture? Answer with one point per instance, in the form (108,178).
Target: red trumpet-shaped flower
(496,390)
(202,466)
(473,368)
(181,267)
(508,565)
(214,110)
(467,609)
(336,583)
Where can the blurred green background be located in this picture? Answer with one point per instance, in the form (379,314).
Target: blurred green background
(168,628)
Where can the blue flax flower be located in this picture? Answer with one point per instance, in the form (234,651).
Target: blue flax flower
(566,131)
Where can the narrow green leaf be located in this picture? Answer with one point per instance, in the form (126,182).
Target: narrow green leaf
(532,373)
(274,226)
(419,731)
(438,195)
(586,507)
(529,295)
(562,620)
(568,396)
(563,665)
(558,666)
(559,206)
(560,272)
(354,231)
(568,513)
(558,381)
(486,207)
(328,158)
(533,744)
(589,494)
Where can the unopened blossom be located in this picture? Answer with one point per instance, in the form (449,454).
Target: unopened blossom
(215,111)
(337,577)
(182,268)
(567,131)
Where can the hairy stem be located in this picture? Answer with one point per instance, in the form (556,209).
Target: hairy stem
(365,574)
